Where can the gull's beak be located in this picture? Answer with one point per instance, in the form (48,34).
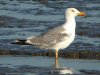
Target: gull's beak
(81,14)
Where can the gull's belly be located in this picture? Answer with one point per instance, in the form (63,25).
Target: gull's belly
(65,43)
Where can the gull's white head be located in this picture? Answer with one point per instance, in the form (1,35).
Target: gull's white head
(74,12)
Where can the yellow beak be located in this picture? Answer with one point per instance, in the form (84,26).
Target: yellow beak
(81,14)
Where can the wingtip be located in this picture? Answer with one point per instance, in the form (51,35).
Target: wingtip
(20,42)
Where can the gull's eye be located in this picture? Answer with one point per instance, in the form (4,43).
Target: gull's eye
(73,11)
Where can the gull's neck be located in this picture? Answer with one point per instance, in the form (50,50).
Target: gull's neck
(70,23)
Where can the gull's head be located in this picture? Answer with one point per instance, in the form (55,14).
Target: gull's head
(74,12)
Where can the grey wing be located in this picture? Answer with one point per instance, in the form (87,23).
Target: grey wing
(54,35)
(50,38)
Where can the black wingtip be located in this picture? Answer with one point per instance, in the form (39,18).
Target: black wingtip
(20,42)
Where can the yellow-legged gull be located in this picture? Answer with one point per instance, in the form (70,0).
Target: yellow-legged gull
(56,38)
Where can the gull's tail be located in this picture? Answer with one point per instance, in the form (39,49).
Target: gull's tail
(21,42)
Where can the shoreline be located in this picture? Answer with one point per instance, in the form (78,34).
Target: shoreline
(86,54)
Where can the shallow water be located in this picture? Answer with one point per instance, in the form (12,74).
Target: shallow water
(22,19)
(36,64)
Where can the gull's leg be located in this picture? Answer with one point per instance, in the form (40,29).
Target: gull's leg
(56,58)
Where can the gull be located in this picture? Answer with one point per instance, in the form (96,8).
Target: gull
(57,38)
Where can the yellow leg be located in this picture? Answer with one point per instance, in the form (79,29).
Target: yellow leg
(56,58)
